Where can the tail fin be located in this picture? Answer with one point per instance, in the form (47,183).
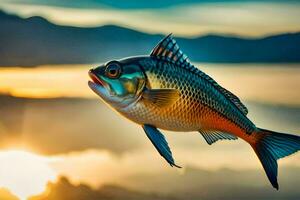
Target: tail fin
(272,146)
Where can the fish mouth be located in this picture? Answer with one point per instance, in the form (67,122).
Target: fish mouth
(95,78)
(96,84)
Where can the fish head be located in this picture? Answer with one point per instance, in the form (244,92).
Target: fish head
(118,83)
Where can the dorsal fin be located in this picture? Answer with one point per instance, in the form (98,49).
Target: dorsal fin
(168,50)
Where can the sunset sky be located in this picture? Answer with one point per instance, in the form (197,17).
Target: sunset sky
(52,124)
(246,18)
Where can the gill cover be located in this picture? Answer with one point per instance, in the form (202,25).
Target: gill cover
(119,84)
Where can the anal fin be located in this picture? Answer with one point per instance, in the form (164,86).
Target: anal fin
(213,136)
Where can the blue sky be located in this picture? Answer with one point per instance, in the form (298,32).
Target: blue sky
(182,17)
(138,4)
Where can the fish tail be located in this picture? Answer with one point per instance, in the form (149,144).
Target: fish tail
(271,146)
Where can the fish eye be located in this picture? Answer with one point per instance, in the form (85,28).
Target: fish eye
(113,70)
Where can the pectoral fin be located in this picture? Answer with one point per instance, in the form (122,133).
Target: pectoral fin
(161,97)
(160,143)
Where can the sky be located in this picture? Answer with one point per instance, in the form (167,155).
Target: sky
(187,18)
(44,136)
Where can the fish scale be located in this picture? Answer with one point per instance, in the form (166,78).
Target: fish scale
(199,101)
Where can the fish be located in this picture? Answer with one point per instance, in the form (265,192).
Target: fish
(164,91)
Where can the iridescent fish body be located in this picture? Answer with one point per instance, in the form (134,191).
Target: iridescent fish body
(164,90)
(199,105)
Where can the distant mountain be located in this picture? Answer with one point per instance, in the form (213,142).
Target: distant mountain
(193,184)
(63,190)
(222,184)
(36,41)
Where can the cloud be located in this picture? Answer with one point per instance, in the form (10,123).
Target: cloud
(134,4)
(53,126)
(84,142)
(243,18)
(63,190)
(224,183)
(193,184)
(58,126)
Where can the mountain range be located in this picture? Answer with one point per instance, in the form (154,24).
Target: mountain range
(193,184)
(36,41)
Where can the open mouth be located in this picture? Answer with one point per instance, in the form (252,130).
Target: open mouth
(94,78)
(96,84)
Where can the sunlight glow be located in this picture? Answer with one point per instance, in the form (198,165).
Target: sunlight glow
(24,173)
(69,81)
(46,82)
